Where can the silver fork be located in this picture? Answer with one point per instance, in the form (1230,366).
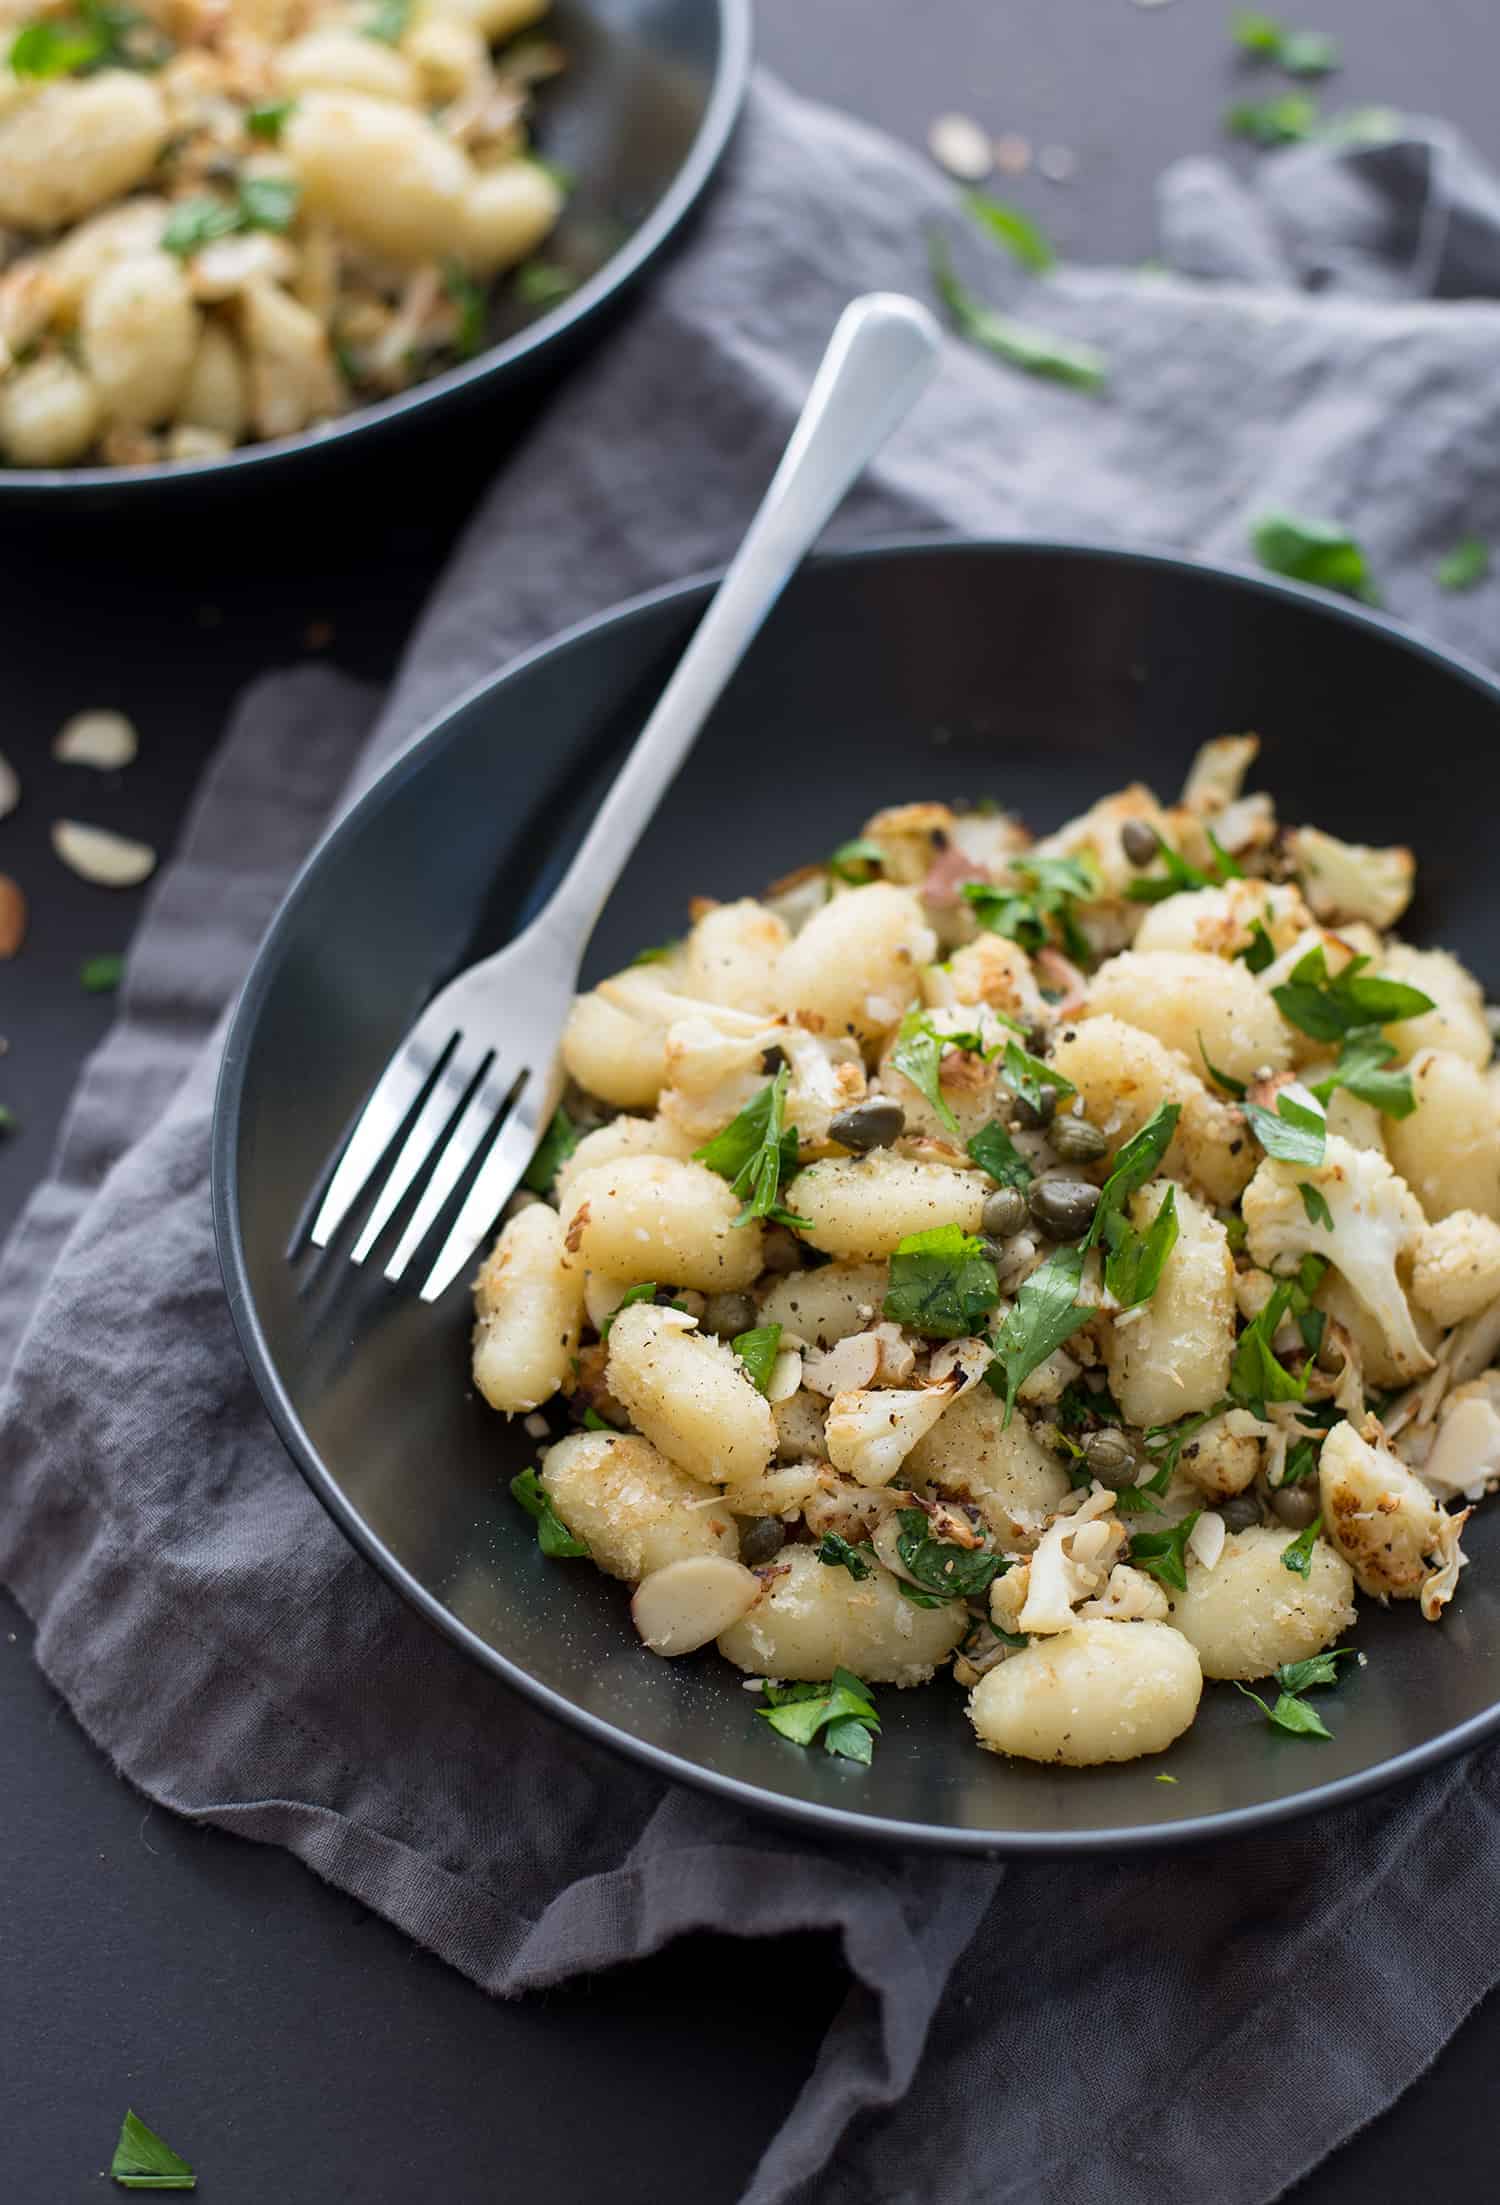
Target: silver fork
(489,1038)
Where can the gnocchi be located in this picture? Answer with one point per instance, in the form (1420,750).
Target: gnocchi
(1077,1308)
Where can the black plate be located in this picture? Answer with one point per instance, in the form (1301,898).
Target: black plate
(640,118)
(1039,674)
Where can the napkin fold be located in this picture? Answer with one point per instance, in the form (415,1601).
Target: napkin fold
(1064,2032)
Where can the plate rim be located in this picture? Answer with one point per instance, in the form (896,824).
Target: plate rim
(809,1816)
(51,487)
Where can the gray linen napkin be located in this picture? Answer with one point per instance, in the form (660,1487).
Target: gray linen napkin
(1056,2033)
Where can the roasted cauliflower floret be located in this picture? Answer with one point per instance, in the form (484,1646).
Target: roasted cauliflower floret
(1377,1222)
(1399,1543)
(1348,880)
(1457,1268)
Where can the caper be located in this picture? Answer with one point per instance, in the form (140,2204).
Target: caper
(1077,1141)
(761,1538)
(781,1250)
(1110,1456)
(1036,1114)
(1239,1512)
(1139,841)
(869,1125)
(1296,1505)
(728,1315)
(1004,1213)
(1064,1208)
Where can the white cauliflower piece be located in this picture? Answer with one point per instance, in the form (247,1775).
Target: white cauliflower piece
(1349,880)
(1073,1561)
(1377,1221)
(1217,773)
(1465,1454)
(870,1434)
(1129,1597)
(1399,1543)
(1457,1267)
(1218,922)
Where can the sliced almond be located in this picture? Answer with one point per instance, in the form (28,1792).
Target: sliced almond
(104,740)
(961,146)
(12,916)
(681,1607)
(1205,1542)
(786,1376)
(95,854)
(10,786)
(847,1367)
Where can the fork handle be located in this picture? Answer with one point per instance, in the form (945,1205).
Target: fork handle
(879,359)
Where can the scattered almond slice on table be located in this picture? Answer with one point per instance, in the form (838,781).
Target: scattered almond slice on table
(961,146)
(10,786)
(104,740)
(12,916)
(106,859)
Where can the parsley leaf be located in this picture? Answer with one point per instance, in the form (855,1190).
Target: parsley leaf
(594,1422)
(1298,1676)
(268,202)
(857,861)
(1363,1067)
(552,1534)
(387,21)
(942,1284)
(263,203)
(919,1055)
(1283,120)
(1009,227)
(1259,951)
(994,1151)
(268,118)
(1047,890)
(1300,53)
(1314,551)
(8,1119)
(1044,1314)
(755,1152)
(1133,1260)
(953,1572)
(1178,877)
(656,953)
(758,1351)
(556,1146)
(1226,1080)
(1162,1554)
(1256,33)
(1167,1441)
(143,2162)
(647,1291)
(1026,1076)
(50,49)
(1035,351)
(1301,1462)
(467,298)
(1289,1713)
(1291,1131)
(835,1552)
(543,283)
(1298,1553)
(1329,1007)
(842,1709)
(1315,1205)
(102,975)
(1466,565)
(1255,1375)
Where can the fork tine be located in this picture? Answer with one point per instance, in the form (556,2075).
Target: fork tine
(499,1176)
(448,1091)
(380,1121)
(484,1107)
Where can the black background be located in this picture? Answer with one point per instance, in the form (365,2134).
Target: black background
(289,2043)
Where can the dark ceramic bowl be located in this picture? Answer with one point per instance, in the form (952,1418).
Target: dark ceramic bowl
(640,119)
(1038,674)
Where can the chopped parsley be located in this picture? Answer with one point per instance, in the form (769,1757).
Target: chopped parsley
(1364,1067)
(842,1709)
(387,21)
(1291,1131)
(647,1291)
(267,202)
(1315,1205)
(1301,1462)
(835,1552)
(262,203)
(1133,1260)
(1284,119)
(268,118)
(1225,1080)
(552,1534)
(1291,1712)
(858,861)
(1035,351)
(1259,952)
(1026,1076)
(143,2162)
(1314,551)
(1043,1315)
(594,1422)
(467,300)
(1041,907)
(758,1350)
(51,49)
(102,975)
(99,34)
(555,1147)
(755,1152)
(942,1284)
(1163,1554)
(919,1055)
(1255,1375)
(1165,1442)
(1297,1555)
(1466,565)
(1009,227)
(1332,1006)
(1300,53)
(995,1152)
(1178,876)
(656,953)
(952,1572)
(543,283)
(8,1119)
